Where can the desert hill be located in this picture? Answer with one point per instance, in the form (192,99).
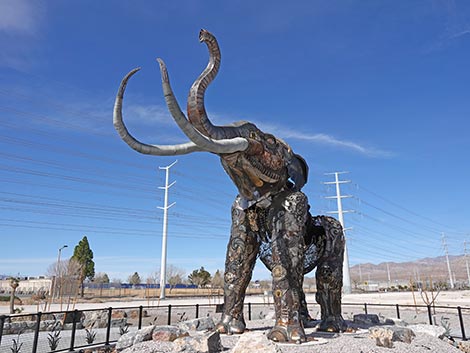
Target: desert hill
(419,270)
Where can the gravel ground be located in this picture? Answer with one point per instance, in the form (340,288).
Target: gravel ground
(318,342)
(358,342)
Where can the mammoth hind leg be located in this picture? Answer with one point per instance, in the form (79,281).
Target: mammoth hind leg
(329,276)
(266,257)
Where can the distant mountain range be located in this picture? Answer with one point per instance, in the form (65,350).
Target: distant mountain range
(419,270)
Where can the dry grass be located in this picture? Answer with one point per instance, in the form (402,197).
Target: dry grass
(155,293)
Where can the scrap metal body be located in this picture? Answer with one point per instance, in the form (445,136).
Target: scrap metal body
(271,220)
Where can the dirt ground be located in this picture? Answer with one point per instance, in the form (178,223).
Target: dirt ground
(447,298)
(451,298)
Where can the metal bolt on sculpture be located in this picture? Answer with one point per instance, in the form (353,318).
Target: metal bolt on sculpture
(270,216)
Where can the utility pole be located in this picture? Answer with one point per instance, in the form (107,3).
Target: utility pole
(59,275)
(339,197)
(417,275)
(388,273)
(165,228)
(466,261)
(444,243)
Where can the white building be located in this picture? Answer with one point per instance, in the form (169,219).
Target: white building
(27,286)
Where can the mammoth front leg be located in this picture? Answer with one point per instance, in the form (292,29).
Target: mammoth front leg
(287,221)
(329,277)
(242,251)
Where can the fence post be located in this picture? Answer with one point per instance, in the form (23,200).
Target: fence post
(36,332)
(197,311)
(249,311)
(141,312)
(108,327)
(365,308)
(398,311)
(74,329)
(462,326)
(2,322)
(169,314)
(430,315)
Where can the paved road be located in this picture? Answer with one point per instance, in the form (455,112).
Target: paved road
(452,298)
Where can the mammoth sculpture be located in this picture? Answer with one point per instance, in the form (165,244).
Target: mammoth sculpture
(270,216)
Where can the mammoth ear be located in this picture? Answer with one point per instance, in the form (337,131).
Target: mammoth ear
(298,171)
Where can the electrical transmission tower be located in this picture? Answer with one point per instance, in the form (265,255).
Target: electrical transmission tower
(165,227)
(444,244)
(339,212)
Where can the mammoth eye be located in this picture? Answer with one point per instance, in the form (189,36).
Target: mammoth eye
(270,139)
(253,134)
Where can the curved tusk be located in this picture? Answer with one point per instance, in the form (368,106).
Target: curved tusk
(196,109)
(157,150)
(216,146)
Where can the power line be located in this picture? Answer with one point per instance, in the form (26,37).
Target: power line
(64,150)
(78,204)
(407,210)
(392,243)
(117,232)
(101,183)
(54,206)
(394,226)
(398,217)
(62,166)
(121,193)
(387,237)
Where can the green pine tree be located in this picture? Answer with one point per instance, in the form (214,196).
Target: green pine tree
(84,256)
(200,278)
(134,279)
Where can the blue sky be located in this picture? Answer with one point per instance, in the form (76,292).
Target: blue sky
(376,88)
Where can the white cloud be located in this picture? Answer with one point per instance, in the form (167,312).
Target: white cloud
(333,141)
(27,260)
(149,114)
(318,138)
(19,16)
(460,34)
(20,24)
(323,139)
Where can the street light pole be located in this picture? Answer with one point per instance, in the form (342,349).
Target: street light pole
(59,274)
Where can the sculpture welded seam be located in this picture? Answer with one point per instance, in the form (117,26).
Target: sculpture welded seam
(270,216)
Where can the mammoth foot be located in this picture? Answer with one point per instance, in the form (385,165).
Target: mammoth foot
(333,324)
(287,332)
(229,325)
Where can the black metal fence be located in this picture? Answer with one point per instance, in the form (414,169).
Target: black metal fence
(79,329)
(450,316)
